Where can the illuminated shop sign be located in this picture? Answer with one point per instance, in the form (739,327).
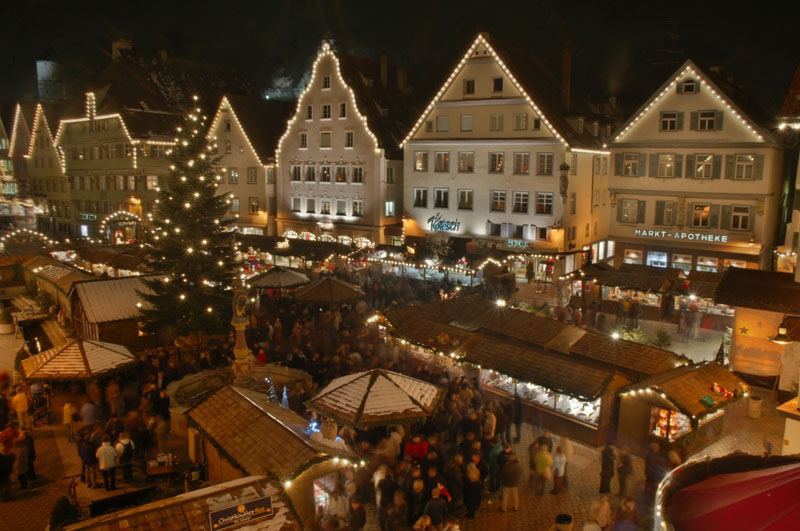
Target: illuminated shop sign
(688,236)
(517,244)
(438,224)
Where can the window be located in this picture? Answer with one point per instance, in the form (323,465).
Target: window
(704,166)
(102,184)
(389,175)
(521,121)
(520,204)
(234,205)
(311,206)
(537,124)
(442,124)
(420,161)
(227,126)
(544,203)
(495,229)
(270,175)
(428,126)
(326,111)
(233,175)
(295,204)
(343,110)
(522,163)
(706,121)
(544,164)
(466,122)
(671,121)
(665,213)
(357,175)
(465,199)
(325,174)
(469,87)
(630,165)
(605,165)
(309,112)
(596,198)
(497,84)
(303,140)
(152,182)
(666,165)
(495,122)
(325,139)
(348,139)
(341,207)
(740,218)
(252,175)
(421,197)
(700,215)
(441,198)
(744,167)
(296,173)
(388,209)
(441,161)
(497,201)
(120,182)
(629,211)
(341,174)
(311,174)
(326,82)
(227,147)
(689,86)
(253,205)
(325,206)
(573,199)
(466,161)
(131,182)
(496,162)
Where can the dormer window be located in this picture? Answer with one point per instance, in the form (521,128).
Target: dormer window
(497,84)
(326,82)
(688,86)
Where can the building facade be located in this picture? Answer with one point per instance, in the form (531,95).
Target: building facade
(340,172)
(505,157)
(695,182)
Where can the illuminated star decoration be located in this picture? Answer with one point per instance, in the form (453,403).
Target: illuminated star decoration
(743,330)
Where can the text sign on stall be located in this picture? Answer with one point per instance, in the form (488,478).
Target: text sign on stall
(241,513)
(690,236)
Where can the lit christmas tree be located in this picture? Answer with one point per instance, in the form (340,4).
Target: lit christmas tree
(187,249)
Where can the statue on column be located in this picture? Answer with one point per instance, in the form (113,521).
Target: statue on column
(243,357)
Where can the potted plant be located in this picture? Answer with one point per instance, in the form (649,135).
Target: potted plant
(6,322)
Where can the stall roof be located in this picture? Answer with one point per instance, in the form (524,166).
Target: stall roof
(623,354)
(760,290)
(701,283)
(62,277)
(634,276)
(13,259)
(256,435)
(686,385)
(78,359)
(316,250)
(112,299)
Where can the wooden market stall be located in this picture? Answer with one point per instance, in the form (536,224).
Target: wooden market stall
(683,408)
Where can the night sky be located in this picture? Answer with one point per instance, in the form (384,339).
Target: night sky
(619,48)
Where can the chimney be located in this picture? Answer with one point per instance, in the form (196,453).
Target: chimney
(118,45)
(384,69)
(402,79)
(566,77)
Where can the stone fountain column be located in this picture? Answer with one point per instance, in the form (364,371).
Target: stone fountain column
(243,357)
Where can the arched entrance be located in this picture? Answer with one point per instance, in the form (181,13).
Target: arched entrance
(121,227)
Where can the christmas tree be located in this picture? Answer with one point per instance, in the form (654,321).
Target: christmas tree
(187,249)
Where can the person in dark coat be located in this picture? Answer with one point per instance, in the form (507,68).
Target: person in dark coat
(436,508)
(472,490)
(518,417)
(607,458)
(4,410)
(358,515)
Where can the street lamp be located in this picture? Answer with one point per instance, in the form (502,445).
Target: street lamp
(781,338)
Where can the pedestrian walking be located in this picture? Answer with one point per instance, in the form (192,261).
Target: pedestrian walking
(607,459)
(125,448)
(472,490)
(600,512)
(624,471)
(559,467)
(69,418)
(107,461)
(511,476)
(21,462)
(543,462)
(21,406)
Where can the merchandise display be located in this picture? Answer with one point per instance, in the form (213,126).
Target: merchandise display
(668,423)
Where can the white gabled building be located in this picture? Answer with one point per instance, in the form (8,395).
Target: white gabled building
(487,160)
(695,182)
(340,171)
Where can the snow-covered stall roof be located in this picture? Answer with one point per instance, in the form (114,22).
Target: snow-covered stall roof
(78,359)
(113,299)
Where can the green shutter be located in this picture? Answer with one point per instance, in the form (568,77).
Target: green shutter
(690,166)
(680,119)
(653,165)
(674,213)
(716,170)
(678,165)
(718,120)
(689,212)
(679,87)
(659,213)
(730,166)
(726,217)
(619,210)
(694,116)
(713,216)
(641,212)
(758,167)
(642,165)
(618,158)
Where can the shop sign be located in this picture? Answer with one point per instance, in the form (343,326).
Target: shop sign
(690,236)
(517,244)
(439,224)
(87,217)
(241,513)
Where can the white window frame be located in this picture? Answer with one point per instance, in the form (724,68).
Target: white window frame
(520,203)
(297,203)
(466,162)
(441,161)
(668,121)
(341,174)
(358,207)
(341,211)
(544,164)
(497,160)
(311,171)
(442,124)
(463,194)
(441,198)
(388,209)
(326,111)
(420,197)
(666,165)
(544,203)
(630,165)
(420,161)
(325,174)
(312,203)
(701,215)
(349,139)
(322,136)
(495,122)
(296,174)
(466,122)
(303,142)
(326,82)
(325,206)
(706,120)
(521,121)
(496,198)
(668,217)
(741,217)
(522,163)
(744,166)
(629,211)
(704,166)
(357,175)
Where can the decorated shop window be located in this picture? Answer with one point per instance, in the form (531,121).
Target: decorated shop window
(668,423)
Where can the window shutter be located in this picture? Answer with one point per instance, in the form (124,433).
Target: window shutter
(694,116)
(488,228)
(678,165)
(659,213)
(690,161)
(726,217)
(526,232)
(619,210)
(641,211)
(716,171)
(642,165)
(679,122)
(679,87)
(713,216)
(730,166)
(718,120)
(758,167)
(674,213)
(689,213)
(618,157)
(654,165)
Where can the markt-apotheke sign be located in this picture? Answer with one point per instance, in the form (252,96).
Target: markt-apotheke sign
(241,513)
(438,224)
(680,236)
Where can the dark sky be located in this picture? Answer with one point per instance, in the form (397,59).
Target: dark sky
(624,48)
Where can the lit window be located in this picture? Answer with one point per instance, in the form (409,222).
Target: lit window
(466,161)
(325,174)
(420,161)
(389,209)
(325,206)
(341,174)
(544,164)
(465,199)
(521,121)
(666,165)
(544,203)
(496,161)
(630,164)
(703,166)
(520,204)
(700,215)
(522,163)
(253,205)
(629,211)
(498,201)
(421,197)
(358,207)
(233,175)
(441,161)
(441,198)
(744,166)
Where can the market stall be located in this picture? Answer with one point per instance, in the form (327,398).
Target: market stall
(683,408)
(77,360)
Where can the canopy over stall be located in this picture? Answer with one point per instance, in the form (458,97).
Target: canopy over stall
(279,277)
(79,359)
(328,290)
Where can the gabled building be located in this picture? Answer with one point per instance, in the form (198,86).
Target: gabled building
(695,181)
(506,156)
(340,172)
(15,206)
(246,131)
